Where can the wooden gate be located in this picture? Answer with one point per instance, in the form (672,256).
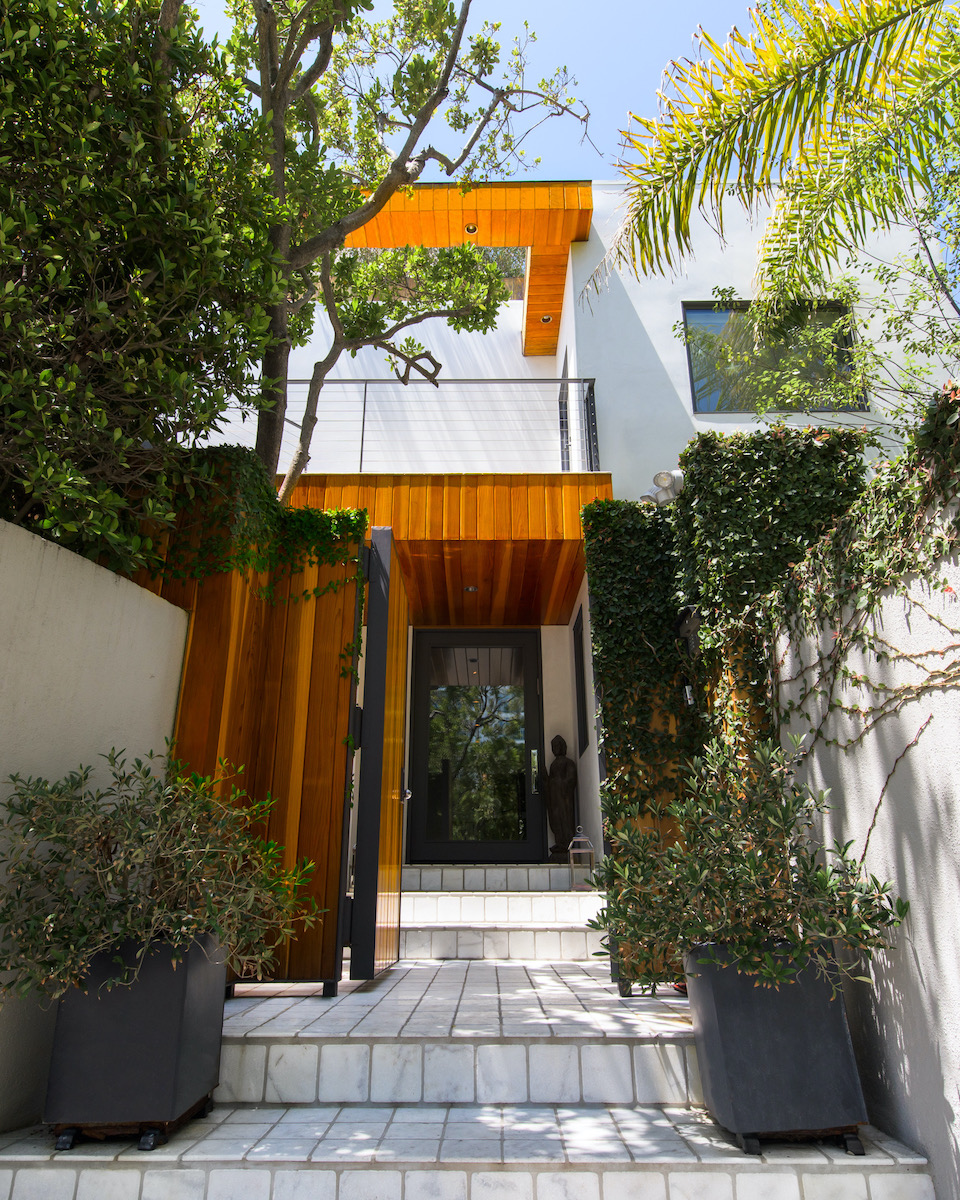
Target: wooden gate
(264,688)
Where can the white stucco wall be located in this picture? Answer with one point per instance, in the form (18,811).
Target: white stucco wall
(90,662)
(907,1026)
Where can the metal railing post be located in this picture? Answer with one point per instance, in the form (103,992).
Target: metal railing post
(590,420)
(363,423)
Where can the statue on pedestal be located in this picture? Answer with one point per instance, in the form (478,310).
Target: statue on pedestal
(560,787)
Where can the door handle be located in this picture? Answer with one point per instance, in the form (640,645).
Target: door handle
(535,771)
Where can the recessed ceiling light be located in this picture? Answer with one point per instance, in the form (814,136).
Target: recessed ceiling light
(471,588)
(471,228)
(546,320)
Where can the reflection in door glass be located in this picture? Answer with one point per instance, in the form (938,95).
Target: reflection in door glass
(476,776)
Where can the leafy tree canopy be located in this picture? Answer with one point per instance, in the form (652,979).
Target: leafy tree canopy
(135,272)
(354,110)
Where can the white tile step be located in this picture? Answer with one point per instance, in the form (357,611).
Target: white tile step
(499,908)
(455,1153)
(544,942)
(481,1069)
(486,878)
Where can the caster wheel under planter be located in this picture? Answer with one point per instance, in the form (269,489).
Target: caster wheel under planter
(66,1138)
(150,1139)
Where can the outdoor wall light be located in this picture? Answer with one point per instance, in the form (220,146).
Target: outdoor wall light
(471,228)
(669,479)
(667,486)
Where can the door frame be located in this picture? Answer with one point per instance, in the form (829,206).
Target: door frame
(533,848)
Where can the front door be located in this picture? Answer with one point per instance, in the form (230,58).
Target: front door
(476,747)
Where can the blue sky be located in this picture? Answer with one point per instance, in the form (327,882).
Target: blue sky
(616,48)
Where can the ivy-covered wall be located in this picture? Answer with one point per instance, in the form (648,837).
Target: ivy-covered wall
(679,642)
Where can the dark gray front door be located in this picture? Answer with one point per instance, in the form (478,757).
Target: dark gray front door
(476,747)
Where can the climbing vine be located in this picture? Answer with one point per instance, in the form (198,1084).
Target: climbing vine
(826,612)
(774,531)
(230,519)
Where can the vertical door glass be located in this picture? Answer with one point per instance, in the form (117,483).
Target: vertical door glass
(476,778)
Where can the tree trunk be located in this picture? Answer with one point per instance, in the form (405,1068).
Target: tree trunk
(270,422)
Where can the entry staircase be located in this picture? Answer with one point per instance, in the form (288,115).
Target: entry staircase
(495,1061)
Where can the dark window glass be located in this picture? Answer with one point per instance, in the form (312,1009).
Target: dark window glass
(807,366)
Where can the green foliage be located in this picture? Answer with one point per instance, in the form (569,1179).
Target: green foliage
(639,663)
(689,787)
(155,855)
(134,271)
(751,505)
(231,520)
(396,287)
(384,74)
(734,862)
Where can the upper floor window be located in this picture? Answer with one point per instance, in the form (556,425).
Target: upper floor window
(807,366)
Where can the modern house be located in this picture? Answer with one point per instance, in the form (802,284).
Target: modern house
(425,771)
(478,600)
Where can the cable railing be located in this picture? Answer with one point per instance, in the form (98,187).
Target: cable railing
(463,425)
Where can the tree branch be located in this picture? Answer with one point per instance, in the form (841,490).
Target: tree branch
(321,370)
(403,170)
(317,67)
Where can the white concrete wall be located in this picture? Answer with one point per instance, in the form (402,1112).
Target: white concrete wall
(626,335)
(559,701)
(560,712)
(90,662)
(626,340)
(907,1026)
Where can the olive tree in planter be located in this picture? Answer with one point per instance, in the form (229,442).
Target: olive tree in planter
(127,904)
(732,883)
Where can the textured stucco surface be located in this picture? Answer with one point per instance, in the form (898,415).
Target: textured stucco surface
(907,1025)
(90,662)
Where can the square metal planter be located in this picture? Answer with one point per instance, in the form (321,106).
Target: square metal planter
(773,1060)
(141,1056)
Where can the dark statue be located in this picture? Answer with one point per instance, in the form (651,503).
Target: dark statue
(560,786)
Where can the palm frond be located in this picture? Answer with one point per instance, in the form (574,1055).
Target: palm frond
(738,119)
(869,178)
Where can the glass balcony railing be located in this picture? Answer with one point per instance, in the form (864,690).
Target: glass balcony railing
(463,425)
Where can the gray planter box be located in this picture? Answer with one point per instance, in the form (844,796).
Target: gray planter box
(773,1060)
(143,1055)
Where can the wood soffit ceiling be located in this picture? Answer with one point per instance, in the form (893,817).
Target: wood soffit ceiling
(544,217)
(516,540)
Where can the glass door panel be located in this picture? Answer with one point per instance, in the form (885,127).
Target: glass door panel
(476,742)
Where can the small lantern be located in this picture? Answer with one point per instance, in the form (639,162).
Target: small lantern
(583,860)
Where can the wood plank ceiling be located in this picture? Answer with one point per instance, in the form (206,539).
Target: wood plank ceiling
(476,550)
(544,217)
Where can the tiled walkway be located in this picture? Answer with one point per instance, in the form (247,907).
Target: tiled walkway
(463,999)
(493,1134)
(473,1028)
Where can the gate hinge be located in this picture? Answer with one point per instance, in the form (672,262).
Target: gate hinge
(356,726)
